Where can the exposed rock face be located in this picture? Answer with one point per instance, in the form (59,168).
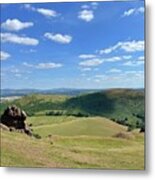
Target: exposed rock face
(14,118)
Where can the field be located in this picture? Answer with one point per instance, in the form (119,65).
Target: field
(63,144)
(79,133)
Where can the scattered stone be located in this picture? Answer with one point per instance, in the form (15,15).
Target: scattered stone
(124,135)
(30,125)
(49,136)
(51,143)
(37,136)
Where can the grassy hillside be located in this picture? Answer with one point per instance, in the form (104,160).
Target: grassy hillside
(119,105)
(73,126)
(37,102)
(71,142)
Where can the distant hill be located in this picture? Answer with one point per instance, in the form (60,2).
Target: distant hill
(116,104)
(60,91)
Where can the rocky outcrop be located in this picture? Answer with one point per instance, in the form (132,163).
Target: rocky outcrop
(15,118)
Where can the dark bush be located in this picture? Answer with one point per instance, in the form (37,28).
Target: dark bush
(54,113)
(37,136)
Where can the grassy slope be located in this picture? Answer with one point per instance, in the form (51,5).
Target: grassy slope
(94,149)
(37,102)
(116,103)
(77,142)
(72,126)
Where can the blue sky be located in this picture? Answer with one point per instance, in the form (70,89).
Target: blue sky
(72,45)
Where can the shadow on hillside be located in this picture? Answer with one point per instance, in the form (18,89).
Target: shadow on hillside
(94,104)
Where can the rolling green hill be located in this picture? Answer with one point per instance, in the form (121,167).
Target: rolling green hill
(76,132)
(37,102)
(110,102)
(70,142)
(73,126)
(116,104)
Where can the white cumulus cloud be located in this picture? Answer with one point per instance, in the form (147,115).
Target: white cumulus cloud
(4,55)
(87,56)
(15,25)
(50,65)
(127,57)
(128,46)
(114,70)
(13,38)
(47,12)
(133,11)
(59,38)
(86,15)
(132,46)
(42,11)
(85,6)
(86,69)
(113,59)
(91,62)
(94,5)
(141,58)
(133,63)
(129,12)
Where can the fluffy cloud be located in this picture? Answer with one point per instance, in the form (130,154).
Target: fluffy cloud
(59,38)
(27,64)
(133,11)
(127,57)
(128,46)
(141,58)
(4,55)
(113,59)
(47,12)
(15,25)
(129,12)
(13,38)
(49,65)
(86,15)
(85,6)
(114,70)
(86,69)
(110,49)
(42,11)
(94,5)
(86,56)
(133,63)
(18,75)
(92,62)
(28,6)
(132,46)
(135,74)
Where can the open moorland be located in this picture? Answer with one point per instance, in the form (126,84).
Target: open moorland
(91,130)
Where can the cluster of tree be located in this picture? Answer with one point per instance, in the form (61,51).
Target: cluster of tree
(60,113)
(54,113)
(121,121)
(77,114)
(139,124)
